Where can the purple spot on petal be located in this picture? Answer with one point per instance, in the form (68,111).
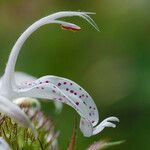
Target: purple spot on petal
(71,91)
(75,93)
(65,82)
(53,91)
(90,107)
(46,81)
(59,84)
(77,103)
(85,103)
(93,121)
(67,89)
(71,83)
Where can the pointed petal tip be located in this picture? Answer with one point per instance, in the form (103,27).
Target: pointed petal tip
(112,118)
(116,119)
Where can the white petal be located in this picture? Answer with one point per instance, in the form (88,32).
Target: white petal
(62,90)
(105,123)
(21,77)
(13,111)
(86,127)
(4,145)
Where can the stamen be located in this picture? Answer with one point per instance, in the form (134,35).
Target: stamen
(70,27)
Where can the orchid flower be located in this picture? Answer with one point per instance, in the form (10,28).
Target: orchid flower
(15,85)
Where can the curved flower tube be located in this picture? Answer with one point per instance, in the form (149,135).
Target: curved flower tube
(15,85)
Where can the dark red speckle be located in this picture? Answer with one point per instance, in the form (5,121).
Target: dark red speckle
(77,103)
(67,89)
(46,81)
(65,82)
(71,91)
(59,84)
(53,91)
(75,93)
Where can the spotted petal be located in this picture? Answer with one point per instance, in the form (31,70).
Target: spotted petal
(23,79)
(62,90)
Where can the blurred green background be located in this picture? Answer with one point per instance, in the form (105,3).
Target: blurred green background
(113,64)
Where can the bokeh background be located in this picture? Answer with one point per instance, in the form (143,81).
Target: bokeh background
(113,64)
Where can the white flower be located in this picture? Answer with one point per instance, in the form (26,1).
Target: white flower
(15,85)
